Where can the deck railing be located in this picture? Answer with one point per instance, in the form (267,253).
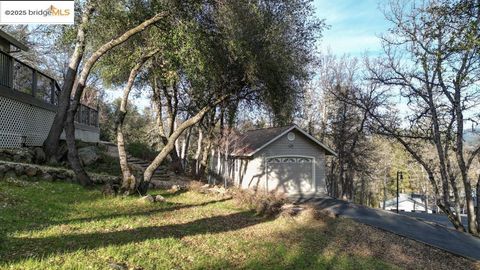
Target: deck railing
(18,76)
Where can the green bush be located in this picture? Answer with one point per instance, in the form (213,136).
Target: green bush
(141,150)
(105,165)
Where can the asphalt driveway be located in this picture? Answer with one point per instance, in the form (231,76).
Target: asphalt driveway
(436,218)
(426,232)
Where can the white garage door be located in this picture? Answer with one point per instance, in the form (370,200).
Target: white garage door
(290,174)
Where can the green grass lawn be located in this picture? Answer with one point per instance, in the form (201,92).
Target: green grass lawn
(63,226)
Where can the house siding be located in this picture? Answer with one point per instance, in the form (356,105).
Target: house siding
(301,146)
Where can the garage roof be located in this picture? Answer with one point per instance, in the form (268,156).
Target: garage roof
(252,141)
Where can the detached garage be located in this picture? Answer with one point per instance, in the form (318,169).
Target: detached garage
(282,159)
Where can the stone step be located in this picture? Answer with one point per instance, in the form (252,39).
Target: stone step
(139,163)
(160,174)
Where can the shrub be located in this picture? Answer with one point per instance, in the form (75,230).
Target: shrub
(141,150)
(196,186)
(264,204)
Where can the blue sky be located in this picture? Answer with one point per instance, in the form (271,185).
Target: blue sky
(354,25)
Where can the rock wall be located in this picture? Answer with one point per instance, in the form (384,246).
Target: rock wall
(24,155)
(30,172)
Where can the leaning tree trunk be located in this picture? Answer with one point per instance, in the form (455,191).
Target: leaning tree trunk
(77,167)
(51,144)
(128,179)
(147,176)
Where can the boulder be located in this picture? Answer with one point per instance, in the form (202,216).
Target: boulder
(39,155)
(9,175)
(19,170)
(147,199)
(109,189)
(47,177)
(3,168)
(88,155)
(177,188)
(28,156)
(219,190)
(118,266)
(31,171)
(136,170)
(62,153)
(159,198)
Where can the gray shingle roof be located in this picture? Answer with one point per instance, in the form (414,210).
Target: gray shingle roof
(251,141)
(248,142)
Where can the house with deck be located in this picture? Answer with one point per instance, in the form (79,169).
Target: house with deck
(28,102)
(284,160)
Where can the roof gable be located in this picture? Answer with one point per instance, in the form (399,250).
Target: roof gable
(253,141)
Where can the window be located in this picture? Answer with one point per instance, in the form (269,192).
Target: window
(290,160)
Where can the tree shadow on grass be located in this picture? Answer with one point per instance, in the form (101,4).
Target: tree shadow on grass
(339,245)
(46,246)
(170,194)
(169,206)
(46,221)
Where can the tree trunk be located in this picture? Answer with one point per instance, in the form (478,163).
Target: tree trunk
(456,197)
(452,217)
(340,177)
(176,161)
(128,179)
(77,167)
(347,189)
(205,155)
(471,216)
(185,146)
(198,153)
(52,142)
(70,127)
(177,146)
(362,191)
(171,109)
(384,189)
